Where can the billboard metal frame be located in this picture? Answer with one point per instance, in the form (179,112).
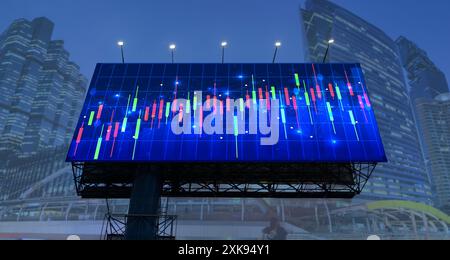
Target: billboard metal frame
(228,181)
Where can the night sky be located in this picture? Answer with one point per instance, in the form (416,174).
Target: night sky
(91,28)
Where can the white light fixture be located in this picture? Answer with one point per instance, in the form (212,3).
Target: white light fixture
(278,44)
(330,41)
(224,44)
(172,46)
(120,43)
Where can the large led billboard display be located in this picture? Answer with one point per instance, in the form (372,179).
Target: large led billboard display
(163,113)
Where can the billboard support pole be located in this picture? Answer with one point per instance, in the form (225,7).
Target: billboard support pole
(143,213)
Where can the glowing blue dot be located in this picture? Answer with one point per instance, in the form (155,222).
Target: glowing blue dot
(241,76)
(334,141)
(117,95)
(296,91)
(299,132)
(320,77)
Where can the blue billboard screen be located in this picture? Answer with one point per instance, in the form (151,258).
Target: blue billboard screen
(160,113)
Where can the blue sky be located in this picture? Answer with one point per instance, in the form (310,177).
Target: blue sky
(91,28)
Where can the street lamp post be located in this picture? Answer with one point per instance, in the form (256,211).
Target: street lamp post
(121,44)
(172,48)
(224,45)
(330,41)
(277,45)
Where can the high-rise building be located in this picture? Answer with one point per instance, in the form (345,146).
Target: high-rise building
(425,82)
(356,40)
(41,97)
(42,91)
(434,117)
(428,89)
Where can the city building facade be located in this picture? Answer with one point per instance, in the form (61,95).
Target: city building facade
(426,82)
(434,117)
(42,91)
(356,40)
(43,175)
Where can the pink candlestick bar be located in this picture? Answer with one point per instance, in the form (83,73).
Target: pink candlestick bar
(319,92)
(313,97)
(331,89)
(361,105)
(154,110)
(147,113)
(286,96)
(99,112)
(108,133)
(366,98)
(116,130)
(160,113)
(294,103)
(79,136)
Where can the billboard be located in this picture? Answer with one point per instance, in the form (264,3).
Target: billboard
(159,113)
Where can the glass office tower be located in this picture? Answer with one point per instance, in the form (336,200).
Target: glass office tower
(41,97)
(42,91)
(356,40)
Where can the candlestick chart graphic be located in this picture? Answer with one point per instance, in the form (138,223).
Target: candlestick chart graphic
(222,112)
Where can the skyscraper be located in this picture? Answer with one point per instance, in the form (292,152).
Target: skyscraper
(41,98)
(428,89)
(356,40)
(42,90)
(434,117)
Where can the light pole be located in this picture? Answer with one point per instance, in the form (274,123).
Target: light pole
(277,46)
(121,44)
(172,48)
(330,41)
(224,45)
